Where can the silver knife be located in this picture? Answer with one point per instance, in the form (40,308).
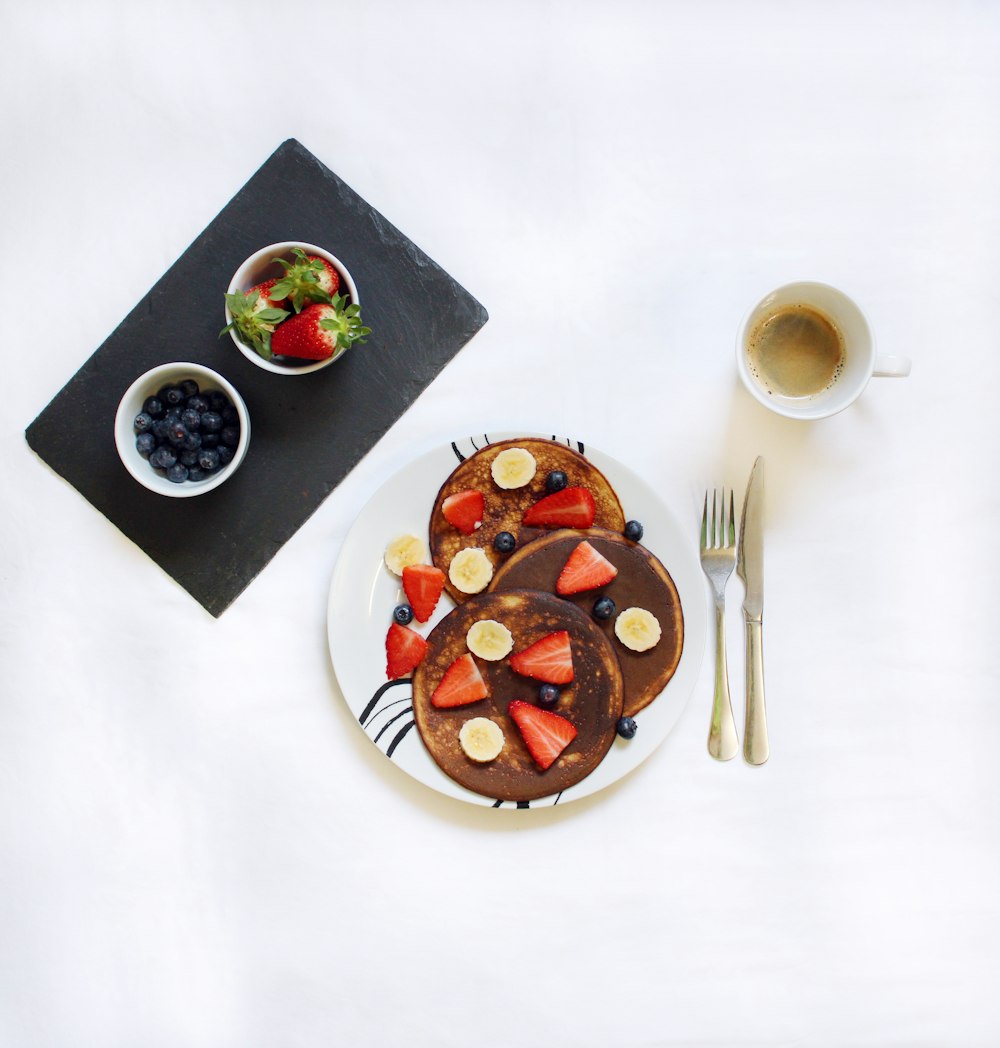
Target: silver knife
(750,568)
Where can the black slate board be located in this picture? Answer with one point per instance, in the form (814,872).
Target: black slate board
(307,432)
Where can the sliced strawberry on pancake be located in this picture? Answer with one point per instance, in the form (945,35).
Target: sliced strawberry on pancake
(546,734)
(549,659)
(464,510)
(585,569)
(461,684)
(569,508)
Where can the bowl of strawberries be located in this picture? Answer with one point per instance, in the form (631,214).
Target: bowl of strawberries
(293,308)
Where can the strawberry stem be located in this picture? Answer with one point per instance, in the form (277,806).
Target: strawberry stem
(346,323)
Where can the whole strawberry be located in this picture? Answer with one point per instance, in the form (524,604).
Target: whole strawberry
(309,279)
(320,330)
(255,314)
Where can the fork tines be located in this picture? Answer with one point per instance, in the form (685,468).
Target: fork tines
(716,535)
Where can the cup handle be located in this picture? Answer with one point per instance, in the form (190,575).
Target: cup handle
(891,366)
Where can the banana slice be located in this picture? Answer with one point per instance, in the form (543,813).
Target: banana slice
(481,739)
(403,551)
(513,468)
(637,629)
(470,570)
(490,640)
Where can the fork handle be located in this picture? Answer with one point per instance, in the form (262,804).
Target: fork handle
(755,748)
(722,742)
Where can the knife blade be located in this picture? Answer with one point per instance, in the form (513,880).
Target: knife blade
(750,568)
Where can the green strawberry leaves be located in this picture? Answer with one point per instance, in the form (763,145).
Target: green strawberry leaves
(346,324)
(252,325)
(300,284)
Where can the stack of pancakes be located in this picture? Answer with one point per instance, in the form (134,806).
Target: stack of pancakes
(610,680)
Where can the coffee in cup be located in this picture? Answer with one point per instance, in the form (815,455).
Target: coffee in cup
(806,351)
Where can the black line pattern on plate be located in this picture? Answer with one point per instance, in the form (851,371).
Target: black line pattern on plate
(384,709)
(400,735)
(392,720)
(527,804)
(487,441)
(569,443)
(373,702)
(373,710)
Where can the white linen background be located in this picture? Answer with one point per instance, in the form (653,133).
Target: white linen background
(198,846)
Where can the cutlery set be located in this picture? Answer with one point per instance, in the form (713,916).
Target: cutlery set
(720,553)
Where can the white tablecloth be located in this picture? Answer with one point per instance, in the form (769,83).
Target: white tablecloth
(198,847)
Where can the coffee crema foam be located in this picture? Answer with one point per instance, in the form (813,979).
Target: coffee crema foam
(795,351)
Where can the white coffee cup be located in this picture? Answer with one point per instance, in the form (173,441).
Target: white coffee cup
(860,362)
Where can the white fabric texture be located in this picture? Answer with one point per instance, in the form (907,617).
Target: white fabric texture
(198,847)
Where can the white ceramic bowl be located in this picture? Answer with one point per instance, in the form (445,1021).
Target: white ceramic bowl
(259,267)
(131,404)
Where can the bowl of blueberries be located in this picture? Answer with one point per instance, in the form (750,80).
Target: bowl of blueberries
(182,429)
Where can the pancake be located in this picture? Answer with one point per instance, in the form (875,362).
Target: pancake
(642,581)
(504,509)
(592,702)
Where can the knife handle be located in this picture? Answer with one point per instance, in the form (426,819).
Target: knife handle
(755,748)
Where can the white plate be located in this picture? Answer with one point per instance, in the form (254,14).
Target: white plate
(364,592)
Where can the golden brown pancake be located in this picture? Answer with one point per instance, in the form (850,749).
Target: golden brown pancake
(641,582)
(592,701)
(504,508)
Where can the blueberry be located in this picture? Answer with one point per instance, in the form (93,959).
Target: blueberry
(604,608)
(504,542)
(230,435)
(217,401)
(153,406)
(163,457)
(189,458)
(192,442)
(627,727)
(172,396)
(556,481)
(191,418)
(189,387)
(145,444)
(633,530)
(230,416)
(143,421)
(403,614)
(209,440)
(548,696)
(208,459)
(172,414)
(198,403)
(177,433)
(194,473)
(226,455)
(160,428)
(211,422)
(177,473)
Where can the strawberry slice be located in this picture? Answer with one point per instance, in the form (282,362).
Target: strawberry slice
(422,585)
(549,659)
(464,510)
(404,648)
(585,569)
(461,684)
(569,508)
(546,734)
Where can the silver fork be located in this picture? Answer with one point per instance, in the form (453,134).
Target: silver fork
(718,558)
